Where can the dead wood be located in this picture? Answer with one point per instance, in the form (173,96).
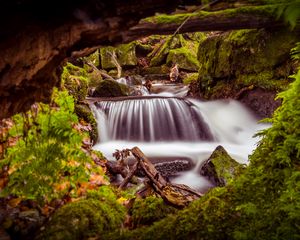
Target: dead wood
(177,195)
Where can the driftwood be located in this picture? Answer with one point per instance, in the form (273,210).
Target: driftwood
(98,71)
(177,195)
(116,63)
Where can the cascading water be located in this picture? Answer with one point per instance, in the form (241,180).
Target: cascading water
(176,127)
(154,119)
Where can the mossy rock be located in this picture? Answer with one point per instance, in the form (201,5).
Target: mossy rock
(75,81)
(149,210)
(185,59)
(94,58)
(164,69)
(125,54)
(110,88)
(247,57)
(85,219)
(221,168)
(190,77)
(84,112)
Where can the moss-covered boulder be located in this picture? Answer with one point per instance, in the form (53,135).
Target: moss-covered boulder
(125,54)
(243,58)
(84,112)
(184,58)
(221,168)
(110,88)
(85,219)
(75,81)
(180,49)
(147,211)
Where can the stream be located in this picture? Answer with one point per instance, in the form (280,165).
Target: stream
(168,126)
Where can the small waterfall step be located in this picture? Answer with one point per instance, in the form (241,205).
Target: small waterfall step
(149,119)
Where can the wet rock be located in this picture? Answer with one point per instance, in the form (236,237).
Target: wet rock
(170,167)
(261,102)
(220,168)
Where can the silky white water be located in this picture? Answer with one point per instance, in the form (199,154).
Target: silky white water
(225,123)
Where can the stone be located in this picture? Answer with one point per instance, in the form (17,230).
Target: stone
(220,168)
(110,88)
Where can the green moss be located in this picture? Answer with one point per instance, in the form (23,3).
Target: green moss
(148,210)
(125,54)
(85,113)
(85,219)
(164,69)
(191,77)
(110,88)
(161,55)
(184,57)
(264,10)
(94,58)
(75,80)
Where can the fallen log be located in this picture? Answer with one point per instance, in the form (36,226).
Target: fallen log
(177,195)
(249,17)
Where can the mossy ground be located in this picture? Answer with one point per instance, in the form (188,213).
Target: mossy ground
(95,216)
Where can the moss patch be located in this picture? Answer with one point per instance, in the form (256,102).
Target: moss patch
(75,80)
(191,77)
(184,58)
(84,219)
(84,112)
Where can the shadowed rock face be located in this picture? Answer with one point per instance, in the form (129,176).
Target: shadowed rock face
(37,36)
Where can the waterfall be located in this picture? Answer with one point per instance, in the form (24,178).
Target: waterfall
(177,128)
(154,119)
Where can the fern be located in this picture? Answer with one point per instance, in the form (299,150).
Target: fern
(48,151)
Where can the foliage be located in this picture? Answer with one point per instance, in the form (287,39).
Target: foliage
(92,217)
(47,161)
(290,11)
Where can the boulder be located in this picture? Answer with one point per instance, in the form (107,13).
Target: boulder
(125,54)
(220,168)
(242,58)
(110,88)
(184,58)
